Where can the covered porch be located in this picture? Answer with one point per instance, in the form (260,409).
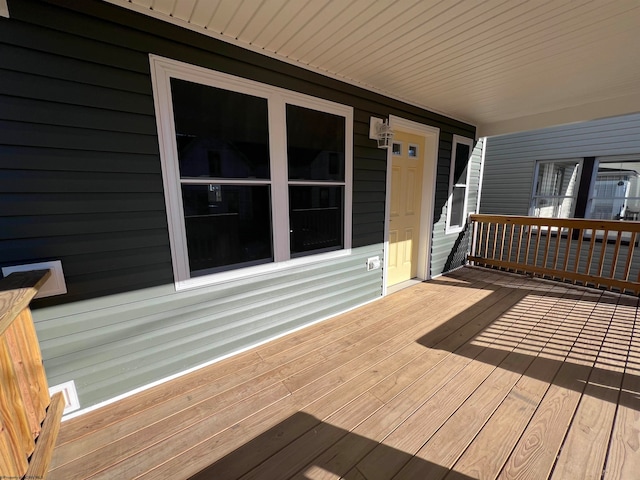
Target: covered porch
(475,374)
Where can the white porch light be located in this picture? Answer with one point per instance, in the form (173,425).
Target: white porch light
(380,131)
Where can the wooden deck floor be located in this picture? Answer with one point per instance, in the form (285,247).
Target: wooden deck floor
(477,374)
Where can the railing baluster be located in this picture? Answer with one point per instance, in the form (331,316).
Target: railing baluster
(592,245)
(538,235)
(603,252)
(526,254)
(482,235)
(632,246)
(486,243)
(547,244)
(521,231)
(495,241)
(567,251)
(578,251)
(557,249)
(616,252)
(511,233)
(504,231)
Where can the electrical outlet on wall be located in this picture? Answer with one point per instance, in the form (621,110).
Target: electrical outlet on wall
(373,263)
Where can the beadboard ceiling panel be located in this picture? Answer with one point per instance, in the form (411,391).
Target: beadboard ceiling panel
(502,65)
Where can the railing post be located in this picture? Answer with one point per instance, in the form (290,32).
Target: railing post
(474,236)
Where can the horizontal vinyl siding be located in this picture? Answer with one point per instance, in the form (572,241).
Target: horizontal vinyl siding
(79,120)
(114,344)
(510,159)
(450,249)
(80,181)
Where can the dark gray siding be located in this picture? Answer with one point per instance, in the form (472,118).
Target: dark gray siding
(80,181)
(510,159)
(78,141)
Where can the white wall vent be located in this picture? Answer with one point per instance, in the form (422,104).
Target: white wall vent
(68,389)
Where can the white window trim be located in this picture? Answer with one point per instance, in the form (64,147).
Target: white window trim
(465,141)
(162,69)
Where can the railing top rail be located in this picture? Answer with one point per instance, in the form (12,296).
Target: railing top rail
(576,223)
(16,292)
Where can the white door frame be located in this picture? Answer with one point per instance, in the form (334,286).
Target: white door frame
(431,141)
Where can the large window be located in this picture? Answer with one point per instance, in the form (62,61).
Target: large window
(458,184)
(254,175)
(615,194)
(222,140)
(555,190)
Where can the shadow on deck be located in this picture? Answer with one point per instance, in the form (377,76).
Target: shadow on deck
(311,448)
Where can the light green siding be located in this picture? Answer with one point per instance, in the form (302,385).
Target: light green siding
(114,344)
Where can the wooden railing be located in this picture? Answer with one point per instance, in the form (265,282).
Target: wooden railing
(597,253)
(29,418)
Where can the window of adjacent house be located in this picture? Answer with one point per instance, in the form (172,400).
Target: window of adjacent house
(458,184)
(615,191)
(254,175)
(555,189)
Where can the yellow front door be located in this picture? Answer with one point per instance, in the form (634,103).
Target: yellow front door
(404,214)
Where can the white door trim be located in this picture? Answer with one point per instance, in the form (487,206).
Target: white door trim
(431,141)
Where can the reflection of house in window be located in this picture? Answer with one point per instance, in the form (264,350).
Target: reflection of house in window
(213,158)
(316,218)
(616,194)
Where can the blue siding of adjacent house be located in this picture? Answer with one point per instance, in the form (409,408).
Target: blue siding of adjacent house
(511,159)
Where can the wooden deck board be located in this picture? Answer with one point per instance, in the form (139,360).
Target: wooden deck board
(477,374)
(450,441)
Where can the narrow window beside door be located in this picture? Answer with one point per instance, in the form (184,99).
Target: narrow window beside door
(458,184)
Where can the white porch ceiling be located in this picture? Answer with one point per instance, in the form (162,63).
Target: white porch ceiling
(503,65)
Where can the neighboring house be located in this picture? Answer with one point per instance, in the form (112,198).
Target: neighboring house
(203,198)
(583,170)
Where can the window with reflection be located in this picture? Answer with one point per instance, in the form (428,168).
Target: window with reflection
(254,174)
(316,171)
(316,218)
(221,136)
(315,144)
(555,189)
(616,191)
